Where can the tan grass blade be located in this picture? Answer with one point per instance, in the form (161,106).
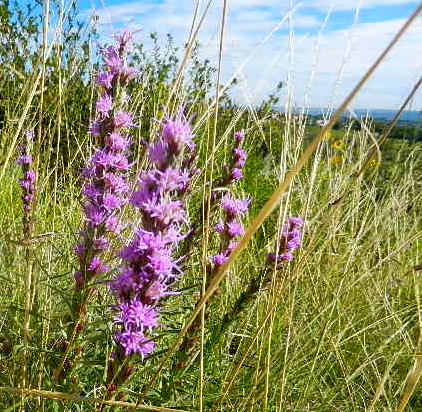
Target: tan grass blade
(411,383)
(415,372)
(27,106)
(273,201)
(245,62)
(208,207)
(67,397)
(193,35)
(380,388)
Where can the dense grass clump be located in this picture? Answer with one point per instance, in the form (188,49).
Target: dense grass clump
(253,262)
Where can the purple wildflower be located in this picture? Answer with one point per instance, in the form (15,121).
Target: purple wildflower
(233,171)
(27,182)
(117,141)
(236,174)
(24,159)
(231,227)
(219,228)
(97,266)
(158,154)
(29,134)
(105,189)
(104,105)
(123,119)
(240,157)
(100,244)
(136,315)
(239,135)
(105,79)
(177,133)
(149,267)
(219,259)
(105,173)
(235,228)
(295,222)
(124,37)
(127,74)
(112,58)
(234,207)
(291,239)
(95,128)
(134,342)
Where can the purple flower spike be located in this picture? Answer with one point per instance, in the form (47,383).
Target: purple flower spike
(105,79)
(123,119)
(124,37)
(234,169)
(27,182)
(295,222)
(239,135)
(291,239)
(24,159)
(113,59)
(149,267)
(104,105)
(219,259)
(236,174)
(106,172)
(177,133)
(235,207)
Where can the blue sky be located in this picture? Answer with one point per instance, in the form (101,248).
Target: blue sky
(319,62)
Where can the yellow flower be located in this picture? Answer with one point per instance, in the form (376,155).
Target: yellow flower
(373,162)
(336,159)
(338,145)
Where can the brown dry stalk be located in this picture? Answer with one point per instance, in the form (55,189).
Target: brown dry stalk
(67,397)
(273,201)
(412,381)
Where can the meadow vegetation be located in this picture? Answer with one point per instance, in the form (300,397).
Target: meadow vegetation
(338,328)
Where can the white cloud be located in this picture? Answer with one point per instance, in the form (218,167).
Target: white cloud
(247,26)
(386,89)
(124,12)
(353,4)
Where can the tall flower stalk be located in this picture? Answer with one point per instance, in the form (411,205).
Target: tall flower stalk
(27,184)
(149,266)
(290,239)
(229,228)
(105,186)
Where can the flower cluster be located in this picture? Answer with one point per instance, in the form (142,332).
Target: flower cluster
(149,266)
(105,174)
(239,157)
(27,182)
(231,227)
(291,238)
